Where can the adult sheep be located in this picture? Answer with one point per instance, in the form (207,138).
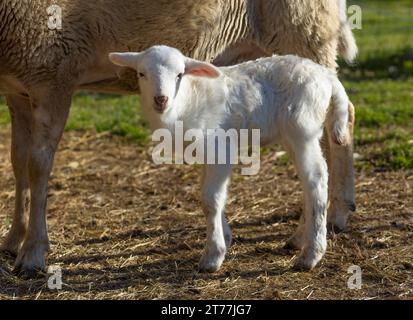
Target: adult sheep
(42,66)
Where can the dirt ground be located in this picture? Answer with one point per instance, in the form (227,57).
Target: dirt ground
(123,228)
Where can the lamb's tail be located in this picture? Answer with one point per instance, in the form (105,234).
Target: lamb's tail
(347,46)
(338,124)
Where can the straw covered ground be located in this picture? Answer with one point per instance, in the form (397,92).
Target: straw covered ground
(122,228)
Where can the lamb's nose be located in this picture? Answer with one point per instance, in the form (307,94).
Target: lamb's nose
(161,102)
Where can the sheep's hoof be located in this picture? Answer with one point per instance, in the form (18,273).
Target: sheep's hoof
(31,259)
(28,274)
(302,265)
(338,215)
(333,229)
(11,245)
(210,267)
(337,223)
(8,250)
(289,246)
(308,260)
(211,263)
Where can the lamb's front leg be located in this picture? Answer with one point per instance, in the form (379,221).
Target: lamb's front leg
(214,195)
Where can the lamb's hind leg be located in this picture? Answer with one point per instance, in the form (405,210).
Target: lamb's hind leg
(21,121)
(312,169)
(214,194)
(50,109)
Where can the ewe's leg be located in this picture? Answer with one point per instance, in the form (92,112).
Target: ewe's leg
(49,114)
(312,170)
(21,121)
(342,181)
(214,195)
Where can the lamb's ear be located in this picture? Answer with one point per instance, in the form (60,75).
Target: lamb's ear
(127,59)
(201,69)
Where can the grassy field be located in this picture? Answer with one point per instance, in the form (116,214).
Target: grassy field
(118,233)
(380,85)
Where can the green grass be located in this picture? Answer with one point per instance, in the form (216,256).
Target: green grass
(4,113)
(387,26)
(386,38)
(380,85)
(384,122)
(120,115)
(382,102)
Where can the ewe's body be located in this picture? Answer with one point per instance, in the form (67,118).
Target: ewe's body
(31,53)
(286,97)
(41,68)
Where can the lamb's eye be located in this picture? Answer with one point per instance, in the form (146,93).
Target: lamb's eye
(180,76)
(141,75)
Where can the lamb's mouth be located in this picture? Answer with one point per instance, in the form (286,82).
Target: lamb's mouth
(159,110)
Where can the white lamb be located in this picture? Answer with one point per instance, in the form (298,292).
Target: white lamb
(286,97)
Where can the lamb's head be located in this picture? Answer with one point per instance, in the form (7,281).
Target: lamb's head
(161,71)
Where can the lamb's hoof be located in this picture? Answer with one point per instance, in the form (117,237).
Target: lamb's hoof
(208,267)
(308,260)
(211,263)
(302,265)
